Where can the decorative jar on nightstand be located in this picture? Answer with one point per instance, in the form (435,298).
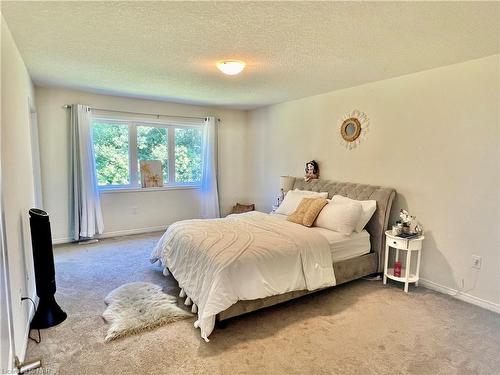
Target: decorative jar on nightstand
(403,244)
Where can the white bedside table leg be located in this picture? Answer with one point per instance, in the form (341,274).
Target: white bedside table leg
(418,267)
(386,261)
(408,268)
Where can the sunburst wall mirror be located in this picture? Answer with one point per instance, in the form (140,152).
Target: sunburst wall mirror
(353,128)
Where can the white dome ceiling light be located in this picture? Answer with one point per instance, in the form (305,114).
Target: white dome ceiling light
(231,67)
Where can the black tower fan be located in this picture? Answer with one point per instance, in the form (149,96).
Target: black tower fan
(48,313)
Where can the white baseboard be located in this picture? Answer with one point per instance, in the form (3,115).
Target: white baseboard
(461,296)
(128,232)
(117,233)
(31,314)
(59,241)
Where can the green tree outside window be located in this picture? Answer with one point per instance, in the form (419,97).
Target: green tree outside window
(152,144)
(111,153)
(188,154)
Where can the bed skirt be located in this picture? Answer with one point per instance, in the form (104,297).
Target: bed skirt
(346,270)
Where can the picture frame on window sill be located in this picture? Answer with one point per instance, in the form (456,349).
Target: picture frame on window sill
(151,173)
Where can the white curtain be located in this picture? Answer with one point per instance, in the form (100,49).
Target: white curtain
(86,204)
(208,193)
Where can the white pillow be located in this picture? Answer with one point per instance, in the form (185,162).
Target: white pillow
(313,193)
(340,217)
(293,199)
(368,208)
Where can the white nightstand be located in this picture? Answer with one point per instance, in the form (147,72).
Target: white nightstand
(398,243)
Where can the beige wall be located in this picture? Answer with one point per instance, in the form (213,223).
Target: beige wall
(17,182)
(434,136)
(127,212)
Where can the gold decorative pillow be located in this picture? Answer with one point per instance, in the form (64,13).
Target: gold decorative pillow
(298,215)
(313,211)
(307,211)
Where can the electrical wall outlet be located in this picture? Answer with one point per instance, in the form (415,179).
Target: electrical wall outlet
(477,261)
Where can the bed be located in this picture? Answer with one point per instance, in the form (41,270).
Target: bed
(242,263)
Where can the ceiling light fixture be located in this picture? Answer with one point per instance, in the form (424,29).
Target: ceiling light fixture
(231,67)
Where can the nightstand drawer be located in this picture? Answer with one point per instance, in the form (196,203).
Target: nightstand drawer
(399,243)
(414,245)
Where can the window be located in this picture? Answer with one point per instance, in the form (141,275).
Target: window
(120,145)
(187,155)
(152,144)
(111,148)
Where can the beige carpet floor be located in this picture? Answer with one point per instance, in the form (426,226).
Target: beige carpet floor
(362,327)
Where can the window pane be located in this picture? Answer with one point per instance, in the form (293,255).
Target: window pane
(111,153)
(152,144)
(188,154)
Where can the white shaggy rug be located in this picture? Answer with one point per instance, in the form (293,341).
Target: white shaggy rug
(140,306)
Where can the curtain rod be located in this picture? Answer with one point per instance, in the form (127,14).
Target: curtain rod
(143,113)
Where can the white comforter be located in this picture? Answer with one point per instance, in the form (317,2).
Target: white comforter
(242,257)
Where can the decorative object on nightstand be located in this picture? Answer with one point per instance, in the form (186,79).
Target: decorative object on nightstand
(397,268)
(397,228)
(397,272)
(410,226)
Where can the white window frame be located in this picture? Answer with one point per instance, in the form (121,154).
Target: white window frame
(132,152)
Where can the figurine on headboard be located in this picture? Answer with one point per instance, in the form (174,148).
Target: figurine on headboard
(312,170)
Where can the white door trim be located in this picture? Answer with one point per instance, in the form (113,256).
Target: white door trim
(35,154)
(6,324)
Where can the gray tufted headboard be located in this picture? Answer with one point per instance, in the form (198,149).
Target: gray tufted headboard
(380,219)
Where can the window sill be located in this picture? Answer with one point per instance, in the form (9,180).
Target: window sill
(144,190)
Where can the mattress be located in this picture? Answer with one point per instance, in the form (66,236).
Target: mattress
(343,247)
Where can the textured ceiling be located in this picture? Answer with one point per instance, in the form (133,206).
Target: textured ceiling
(167,50)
